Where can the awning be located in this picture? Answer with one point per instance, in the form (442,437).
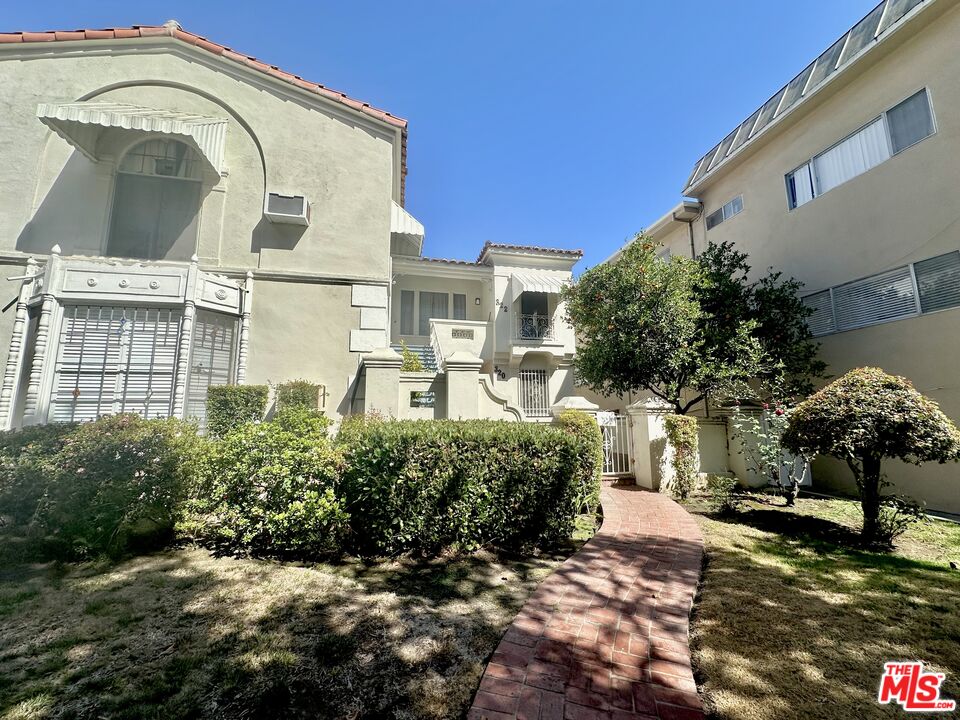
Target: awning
(536,282)
(80,124)
(406,227)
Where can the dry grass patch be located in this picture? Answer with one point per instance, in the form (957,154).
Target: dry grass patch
(182,634)
(794,621)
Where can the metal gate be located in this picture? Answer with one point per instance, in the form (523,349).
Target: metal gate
(617,443)
(534,393)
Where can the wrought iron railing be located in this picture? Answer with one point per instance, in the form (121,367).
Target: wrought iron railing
(535,393)
(534,327)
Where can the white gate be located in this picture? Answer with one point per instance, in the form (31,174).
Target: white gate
(535,393)
(617,443)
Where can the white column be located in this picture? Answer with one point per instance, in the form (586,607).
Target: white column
(183,359)
(244,344)
(11,374)
(42,343)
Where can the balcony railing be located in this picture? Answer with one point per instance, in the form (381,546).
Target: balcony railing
(534,327)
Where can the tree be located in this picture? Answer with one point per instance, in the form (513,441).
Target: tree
(642,326)
(761,441)
(864,417)
(773,304)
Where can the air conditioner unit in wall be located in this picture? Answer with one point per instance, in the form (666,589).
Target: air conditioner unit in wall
(293,209)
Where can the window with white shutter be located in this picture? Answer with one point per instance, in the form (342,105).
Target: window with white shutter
(887,296)
(820,321)
(115,359)
(212,359)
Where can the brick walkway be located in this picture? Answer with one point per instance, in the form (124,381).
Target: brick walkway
(605,636)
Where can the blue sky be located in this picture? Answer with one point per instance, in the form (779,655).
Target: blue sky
(566,123)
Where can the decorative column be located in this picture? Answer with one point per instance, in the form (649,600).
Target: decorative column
(463,385)
(382,382)
(651,451)
(244,344)
(182,376)
(11,374)
(41,345)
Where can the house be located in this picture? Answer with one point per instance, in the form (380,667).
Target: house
(176,215)
(846,178)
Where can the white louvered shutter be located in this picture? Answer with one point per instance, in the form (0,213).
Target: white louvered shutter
(820,321)
(887,296)
(212,359)
(939,281)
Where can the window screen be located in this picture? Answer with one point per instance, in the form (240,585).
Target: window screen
(406,312)
(459,307)
(212,356)
(432,305)
(862,34)
(910,121)
(820,321)
(939,282)
(714,219)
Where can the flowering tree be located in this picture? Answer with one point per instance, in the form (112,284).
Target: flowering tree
(864,417)
(761,442)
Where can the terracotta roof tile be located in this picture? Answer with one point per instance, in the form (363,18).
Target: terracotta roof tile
(526,248)
(172,29)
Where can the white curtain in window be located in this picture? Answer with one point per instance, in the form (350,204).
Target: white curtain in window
(432,305)
(855,155)
(801,186)
(459,307)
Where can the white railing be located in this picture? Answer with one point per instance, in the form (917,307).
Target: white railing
(535,393)
(534,327)
(617,444)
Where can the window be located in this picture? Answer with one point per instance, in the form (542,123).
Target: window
(910,122)
(459,307)
(406,312)
(534,321)
(432,305)
(534,393)
(902,126)
(923,287)
(156,202)
(212,354)
(734,207)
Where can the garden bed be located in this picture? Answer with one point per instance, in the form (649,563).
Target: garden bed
(794,621)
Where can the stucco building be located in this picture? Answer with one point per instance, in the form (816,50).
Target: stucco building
(176,215)
(846,178)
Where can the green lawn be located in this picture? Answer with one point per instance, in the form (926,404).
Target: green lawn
(793,621)
(183,634)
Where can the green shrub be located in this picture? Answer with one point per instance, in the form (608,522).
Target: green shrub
(586,429)
(270,488)
(411,361)
(116,484)
(229,406)
(426,485)
(722,494)
(298,393)
(864,417)
(683,438)
(897,514)
(24,471)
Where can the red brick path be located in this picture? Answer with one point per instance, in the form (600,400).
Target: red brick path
(605,636)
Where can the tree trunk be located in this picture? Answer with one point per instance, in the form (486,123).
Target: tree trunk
(870,497)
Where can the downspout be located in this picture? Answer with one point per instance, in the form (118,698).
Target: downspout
(690,222)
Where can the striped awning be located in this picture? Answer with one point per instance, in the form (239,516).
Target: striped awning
(536,282)
(81,123)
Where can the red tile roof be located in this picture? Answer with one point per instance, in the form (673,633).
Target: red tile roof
(172,29)
(526,248)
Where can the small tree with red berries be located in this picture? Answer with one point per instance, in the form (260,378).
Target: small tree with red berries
(864,417)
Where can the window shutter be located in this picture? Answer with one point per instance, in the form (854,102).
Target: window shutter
(910,121)
(821,321)
(212,356)
(146,377)
(939,282)
(887,296)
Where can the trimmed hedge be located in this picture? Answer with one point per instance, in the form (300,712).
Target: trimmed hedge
(108,486)
(298,393)
(586,429)
(426,485)
(230,406)
(270,488)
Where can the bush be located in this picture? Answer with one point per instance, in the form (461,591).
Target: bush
(866,416)
(115,485)
(722,494)
(585,428)
(298,393)
(897,514)
(270,488)
(411,361)
(229,406)
(426,485)
(683,438)
(24,468)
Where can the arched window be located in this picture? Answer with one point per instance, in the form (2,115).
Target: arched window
(156,202)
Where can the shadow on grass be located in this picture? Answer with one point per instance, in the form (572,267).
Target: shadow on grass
(181,634)
(792,625)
